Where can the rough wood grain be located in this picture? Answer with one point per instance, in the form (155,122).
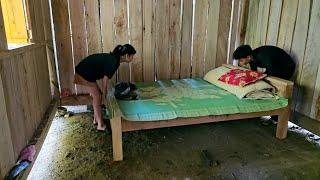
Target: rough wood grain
(287,24)
(274,21)
(79,35)
(212,35)
(186,39)
(63,44)
(107,28)
(199,38)
(174,38)
(310,66)
(148,40)
(162,39)
(223,32)
(136,39)
(122,37)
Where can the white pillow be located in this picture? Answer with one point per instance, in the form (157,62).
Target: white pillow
(213,76)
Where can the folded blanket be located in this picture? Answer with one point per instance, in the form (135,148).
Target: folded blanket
(258,90)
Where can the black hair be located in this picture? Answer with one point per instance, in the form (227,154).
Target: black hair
(242,52)
(121,50)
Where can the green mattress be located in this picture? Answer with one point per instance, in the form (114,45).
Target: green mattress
(164,100)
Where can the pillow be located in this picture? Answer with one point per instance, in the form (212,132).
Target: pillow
(213,76)
(241,77)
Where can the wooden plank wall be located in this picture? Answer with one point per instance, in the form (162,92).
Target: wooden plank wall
(26,92)
(24,86)
(291,25)
(173,38)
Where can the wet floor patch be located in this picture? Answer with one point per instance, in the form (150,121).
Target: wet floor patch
(244,149)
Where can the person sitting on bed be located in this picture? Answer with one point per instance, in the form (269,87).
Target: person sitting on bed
(101,66)
(271,60)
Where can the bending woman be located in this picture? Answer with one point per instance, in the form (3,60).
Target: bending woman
(98,66)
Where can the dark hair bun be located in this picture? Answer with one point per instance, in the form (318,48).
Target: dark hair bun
(123,50)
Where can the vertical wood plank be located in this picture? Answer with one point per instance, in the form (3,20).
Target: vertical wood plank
(212,35)
(244,10)
(63,44)
(25,99)
(39,80)
(300,36)
(33,91)
(47,22)
(44,77)
(274,21)
(148,40)
(93,26)
(199,37)
(107,28)
(94,38)
(310,66)
(36,19)
(174,38)
(299,45)
(79,35)
(186,33)
(13,107)
(234,29)
(7,158)
(262,23)
(288,17)
(224,27)
(162,39)
(3,37)
(122,37)
(136,39)
(252,23)
(107,25)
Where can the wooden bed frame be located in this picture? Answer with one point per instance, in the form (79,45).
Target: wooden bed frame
(119,124)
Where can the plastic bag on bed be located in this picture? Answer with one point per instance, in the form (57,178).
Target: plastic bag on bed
(125,91)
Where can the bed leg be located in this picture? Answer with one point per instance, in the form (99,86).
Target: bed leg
(116,138)
(282,126)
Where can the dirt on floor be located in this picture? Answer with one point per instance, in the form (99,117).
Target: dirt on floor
(243,149)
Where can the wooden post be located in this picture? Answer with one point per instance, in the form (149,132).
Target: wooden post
(3,38)
(116,138)
(282,126)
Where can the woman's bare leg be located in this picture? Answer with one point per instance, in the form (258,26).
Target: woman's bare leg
(96,96)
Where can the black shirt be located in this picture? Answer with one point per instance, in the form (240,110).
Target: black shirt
(275,61)
(96,66)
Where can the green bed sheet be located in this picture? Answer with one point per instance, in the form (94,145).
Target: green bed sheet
(163,100)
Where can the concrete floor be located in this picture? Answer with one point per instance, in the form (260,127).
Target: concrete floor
(243,149)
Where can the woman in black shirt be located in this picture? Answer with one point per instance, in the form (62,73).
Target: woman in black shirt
(98,66)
